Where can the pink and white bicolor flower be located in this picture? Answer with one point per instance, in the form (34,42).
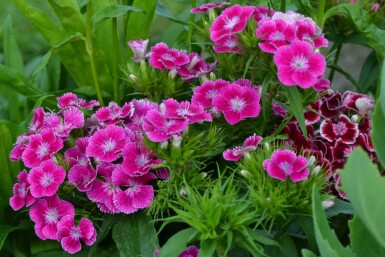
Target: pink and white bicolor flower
(251,143)
(21,193)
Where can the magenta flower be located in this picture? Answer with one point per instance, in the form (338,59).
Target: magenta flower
(322,84)
(41,147)
(70,235)
(285,163)
(250,144)
(298,65)
(38,120)
(82,177)
(77,155)
(344,129)
(231,21)
(46,179)
(195,68)
(227,44)
(71,100)
(274,34)
(207,91)
(107,144)
(113,113)
(262,13)
(158,128)
(193,113)
(46,213)
(21,193)
(162,57)
(278,109)
(19,147)
(237,102)
(139,48)
(191,251)
(72,118)
(209,6)
(137,160)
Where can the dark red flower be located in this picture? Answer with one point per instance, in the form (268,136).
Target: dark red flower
(344,129)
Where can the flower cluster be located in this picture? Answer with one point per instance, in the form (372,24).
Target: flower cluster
(336,123)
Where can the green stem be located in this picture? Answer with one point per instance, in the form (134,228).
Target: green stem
(337,56)
(191,23)
(90,53)
(321,11)
(115,58)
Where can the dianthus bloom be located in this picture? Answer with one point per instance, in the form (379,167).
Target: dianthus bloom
(285,163)
(209,6)
(139,48)
(71,100)
(238,102)
(249,145)
(21,192)
(162,57)
(298,65)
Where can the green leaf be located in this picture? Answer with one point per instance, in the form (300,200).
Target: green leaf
(4,231)
(288,247)
(369,74)
(344,73)
(12,54)
(362,183)
(207,248)
(42,64)
(381,86)
(162,11)
(327,240)
(135,235)
(305,7)
(361,240)
(307,253)
(339,207)
(177,243)
(296,106)
(378,128)
(112,12)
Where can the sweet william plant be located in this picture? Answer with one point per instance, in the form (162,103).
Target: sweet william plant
(208,153)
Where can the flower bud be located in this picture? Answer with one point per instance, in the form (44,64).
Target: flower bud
(316,170)
(364,104)
(132,77)
(176,140)
(245,173)
(355,118)
(164,145)
(267,146)
(311,160)
(183,192)
(327,204)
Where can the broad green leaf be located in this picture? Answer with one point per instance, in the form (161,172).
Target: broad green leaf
(42,64)
(307,226)
(108,222)
(378,128)
(12,54)
(69,15)
(4,231)
(362,242)
(288,247)
(207,248)
(369,74)
(112,12)
(69,38)
(339,207)
(296,106)
(177,243)
(363,184)
(139,23)
(162,11)
(40,246)
(307,253)
(135,235)
(381,97)
(327,240)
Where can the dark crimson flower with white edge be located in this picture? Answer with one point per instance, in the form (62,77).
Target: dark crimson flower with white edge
(209,6)
(237,103)
(251,143)
(207,91)
(46,179)
(193,113)
(337,185)
(21,193)
(331,105)
(274,34)
(285,163)
(70,235)
(138,160)
(41,147)
(296,139)
(344,129)
(46,213)
(69,100)
(107,144)
(361,103)
(162,57)
(312,115)
(298,64)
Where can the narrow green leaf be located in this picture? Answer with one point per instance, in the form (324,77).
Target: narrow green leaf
(162,11)
(207,248)
(362,183)
(112,12)
(296,107)
(288,247)
(69,38)
(378,128)
(42,64)
(361,240)
(307,253)
(135,235)
(4,231)
(369,74)
(381,87)
(177,243)
(12,54)
(344,73)
(7,174)
(328,243)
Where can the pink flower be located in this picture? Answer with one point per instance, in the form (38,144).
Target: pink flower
(77,155)
(107,144)
(21,193)
(195,68)
(46,179)
(274,34)
(249,145)
(82,176)
(158,128)
(102,191)
(141,107)
(193,113)
(164,58)
(137,160)
(298,65)
(278,109)
(262,14)
(41,147)
(139,47)
(237,102)
(70,235)
(72,118)
(375,7)
(46,213)
(209,6)
(71,100)
(191,251)
(344,129)
(228,44)
(322,84)
(19,147)
(231,21)
(38,120)
(285,163)
(113,113)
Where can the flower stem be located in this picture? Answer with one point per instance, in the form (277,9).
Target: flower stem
(90,53)
(337,56)
(191,23)
(321,11)
(115,57)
